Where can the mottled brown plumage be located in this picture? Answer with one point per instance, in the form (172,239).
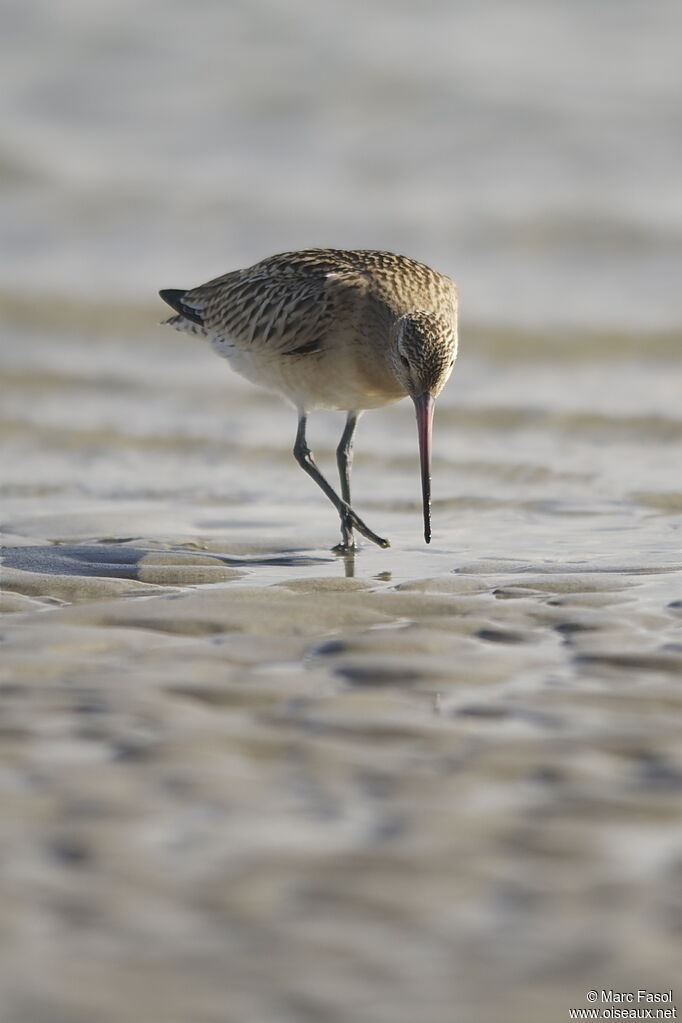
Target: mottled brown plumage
(333,328)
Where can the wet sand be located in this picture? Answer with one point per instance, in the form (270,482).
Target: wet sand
(246,779)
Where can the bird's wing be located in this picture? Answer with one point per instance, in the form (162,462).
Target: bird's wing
(287,309)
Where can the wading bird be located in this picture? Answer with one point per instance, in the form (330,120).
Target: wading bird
(336,329)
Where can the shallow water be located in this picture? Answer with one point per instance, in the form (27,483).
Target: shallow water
(246,778)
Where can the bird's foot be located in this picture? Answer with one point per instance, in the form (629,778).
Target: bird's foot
(345,548)
(350,521)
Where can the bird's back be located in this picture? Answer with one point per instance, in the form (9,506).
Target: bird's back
(270,300)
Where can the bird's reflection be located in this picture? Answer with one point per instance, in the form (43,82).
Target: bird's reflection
(348,559)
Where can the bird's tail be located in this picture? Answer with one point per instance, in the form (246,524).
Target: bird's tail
(175,298)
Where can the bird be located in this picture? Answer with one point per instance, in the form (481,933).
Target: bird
(345,329)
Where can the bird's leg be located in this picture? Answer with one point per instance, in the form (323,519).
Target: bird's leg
(344,455)
(349,520)
(344,460)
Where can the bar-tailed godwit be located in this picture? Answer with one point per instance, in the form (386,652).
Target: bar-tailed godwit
(336,329)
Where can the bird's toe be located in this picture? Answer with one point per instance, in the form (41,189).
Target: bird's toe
(345,548)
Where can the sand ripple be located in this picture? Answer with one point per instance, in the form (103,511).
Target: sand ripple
(245,778)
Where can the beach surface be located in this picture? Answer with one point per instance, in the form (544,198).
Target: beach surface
(245,778)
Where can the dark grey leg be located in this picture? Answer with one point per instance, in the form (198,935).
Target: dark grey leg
(349,520)
(344,460)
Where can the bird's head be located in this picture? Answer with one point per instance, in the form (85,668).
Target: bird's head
(423,354)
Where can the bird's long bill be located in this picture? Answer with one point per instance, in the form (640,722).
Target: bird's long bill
(424,404)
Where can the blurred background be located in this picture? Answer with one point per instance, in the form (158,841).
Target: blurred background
(532,149)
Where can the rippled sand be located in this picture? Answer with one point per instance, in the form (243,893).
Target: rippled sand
(245,779)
